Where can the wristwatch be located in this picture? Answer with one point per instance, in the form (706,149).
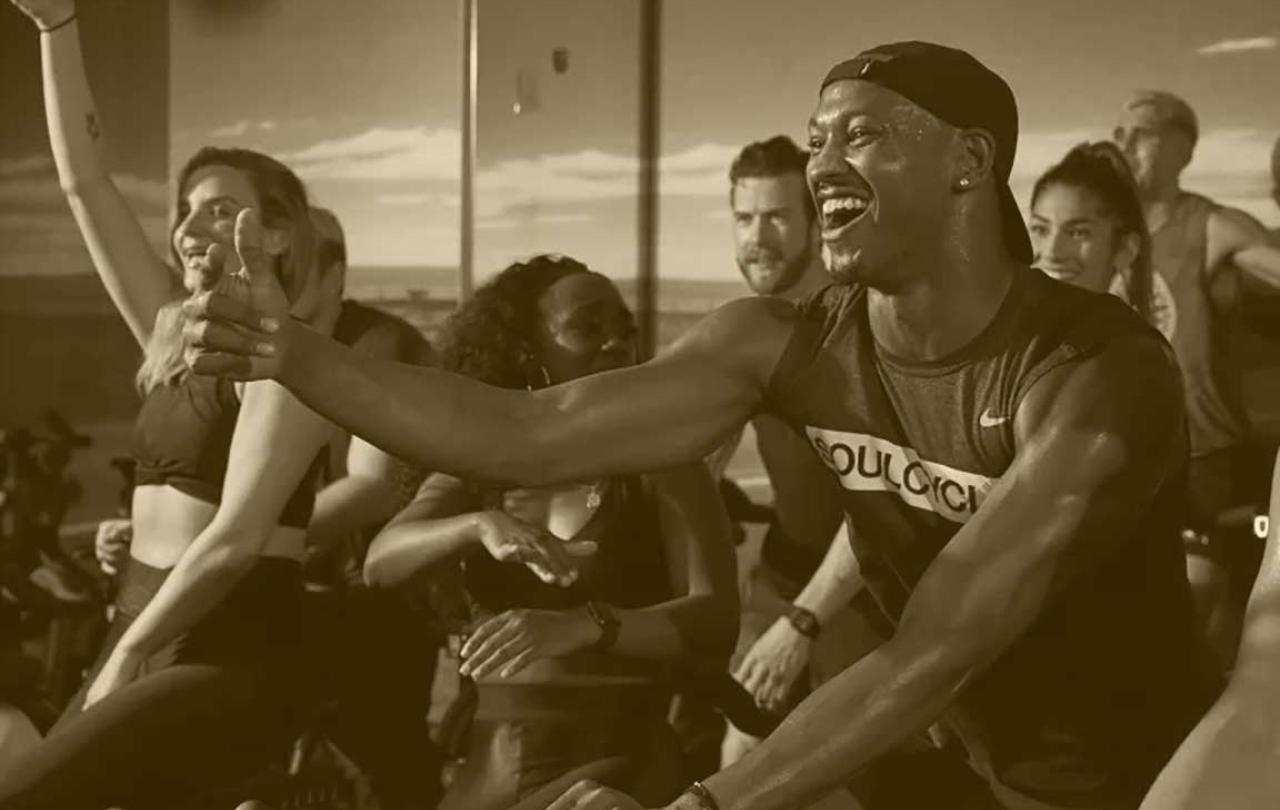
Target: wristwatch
(602,614)
(805,623)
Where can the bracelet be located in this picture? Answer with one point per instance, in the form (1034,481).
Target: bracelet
(703,796)
(62,24)
(604,617)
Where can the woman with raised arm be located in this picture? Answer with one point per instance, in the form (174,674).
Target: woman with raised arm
(195,684)
(583,596)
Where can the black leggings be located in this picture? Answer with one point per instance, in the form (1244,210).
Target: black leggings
(210,709)
(529,744)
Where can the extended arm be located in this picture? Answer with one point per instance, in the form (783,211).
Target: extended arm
(135,277)
(439,523)
(443,521)
(672,410)
(1238,238)
(1095,442)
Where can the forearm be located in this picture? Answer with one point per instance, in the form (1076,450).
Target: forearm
(862,713)
(204,576)
(135,278)
(402,550)
(698,625)
(431,418)
(70,112)
(837,580)
(619,422)
(349,505)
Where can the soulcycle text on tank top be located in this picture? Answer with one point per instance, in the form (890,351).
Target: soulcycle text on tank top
(866,463)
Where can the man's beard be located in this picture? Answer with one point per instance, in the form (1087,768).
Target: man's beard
(791,274)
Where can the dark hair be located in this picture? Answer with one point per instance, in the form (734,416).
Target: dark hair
(1101,168)
(772,158)
(492,335)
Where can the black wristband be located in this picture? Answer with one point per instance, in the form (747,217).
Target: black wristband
(703,796)
(62,24)
(805,623)
(607,620)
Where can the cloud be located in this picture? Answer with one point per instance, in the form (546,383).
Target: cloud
(419,198)
(506,223)
(1239,46)
(703,157)
(591,176)
(382,153)
(241,128)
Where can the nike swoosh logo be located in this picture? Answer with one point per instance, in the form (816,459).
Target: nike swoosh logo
(986,419)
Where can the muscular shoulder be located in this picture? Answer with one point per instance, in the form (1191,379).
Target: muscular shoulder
(380,334)
(1128,387)
(1230,230)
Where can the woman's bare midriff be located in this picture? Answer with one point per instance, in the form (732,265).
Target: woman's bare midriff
(166,522)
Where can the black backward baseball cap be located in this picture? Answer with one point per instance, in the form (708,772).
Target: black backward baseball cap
(960,90)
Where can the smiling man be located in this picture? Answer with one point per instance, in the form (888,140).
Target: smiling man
(1010,451)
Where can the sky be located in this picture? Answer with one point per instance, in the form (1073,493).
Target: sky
(366,107)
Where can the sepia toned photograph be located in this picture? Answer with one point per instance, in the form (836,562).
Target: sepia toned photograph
(639,405)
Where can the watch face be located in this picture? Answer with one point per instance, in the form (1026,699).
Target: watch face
(803,621)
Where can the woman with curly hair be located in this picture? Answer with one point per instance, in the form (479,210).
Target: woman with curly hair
(583,596)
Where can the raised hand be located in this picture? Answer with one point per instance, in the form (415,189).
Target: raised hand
(237,329)
(510,539)
(47,13)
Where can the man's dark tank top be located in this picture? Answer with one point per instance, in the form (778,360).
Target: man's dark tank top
(1086,707)
(1203,305)
(806,501)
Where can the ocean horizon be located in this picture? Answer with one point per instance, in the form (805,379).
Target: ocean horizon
(81,293)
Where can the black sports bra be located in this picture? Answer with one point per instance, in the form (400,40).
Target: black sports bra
(182,438)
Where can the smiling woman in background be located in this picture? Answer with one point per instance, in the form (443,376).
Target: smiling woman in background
(195,685)
(1087,229)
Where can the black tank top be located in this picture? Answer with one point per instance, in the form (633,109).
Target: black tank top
(1086,707)
(182,438)
(628,569)
(806,502)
